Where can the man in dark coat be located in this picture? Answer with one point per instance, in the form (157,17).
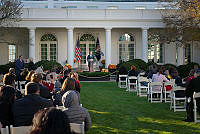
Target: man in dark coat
(25,108)
(91,60)
(193,86)
(19,65)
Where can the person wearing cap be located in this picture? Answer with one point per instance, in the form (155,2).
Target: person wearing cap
(193,86)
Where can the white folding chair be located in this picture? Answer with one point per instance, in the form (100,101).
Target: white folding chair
(196,115)
(5,130)
(20,130)
(143,89)
(152,85)
(122,81)
(22,86)
(176,101)
(77,128)
(167,92)
(132,82)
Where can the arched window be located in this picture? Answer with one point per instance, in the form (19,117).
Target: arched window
(87,44)
(48,37)
(155,49)
(87,37)
(126,47)
(48,47)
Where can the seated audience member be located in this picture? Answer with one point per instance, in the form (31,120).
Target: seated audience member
(132,71)
(9,81)
(11,71)
(50,121)
(69,84)
(25,108)
(178,82)
(74,111)
(158,77)
(66,74)
(193,86)
(122,71)
(28,77)
(191,76)
(7,98)
(48,84)
(77,84)
(152,70)
(52,76)
(44,91)
(57,86)
(23,74)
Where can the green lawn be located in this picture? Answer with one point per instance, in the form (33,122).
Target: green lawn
(115,111)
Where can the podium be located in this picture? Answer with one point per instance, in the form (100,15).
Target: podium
(91,64)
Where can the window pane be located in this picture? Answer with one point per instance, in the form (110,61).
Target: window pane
(43,51)
(83,52)
(53,52)
(12,53)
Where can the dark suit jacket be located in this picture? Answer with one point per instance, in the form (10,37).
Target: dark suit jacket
(19,66)
(25,108)
(88,59)
(193,86)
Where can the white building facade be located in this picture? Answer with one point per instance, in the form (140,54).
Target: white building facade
(123,29)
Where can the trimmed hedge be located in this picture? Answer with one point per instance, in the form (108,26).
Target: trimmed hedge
(47,65)
(184,70)
(93,74)
(167,66)
(138,63)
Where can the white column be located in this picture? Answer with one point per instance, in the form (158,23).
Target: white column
(50,4)
(108,47)
(70,46)
(180,55)
(32,43)
(145,44)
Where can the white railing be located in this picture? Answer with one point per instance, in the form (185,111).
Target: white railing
(92,4)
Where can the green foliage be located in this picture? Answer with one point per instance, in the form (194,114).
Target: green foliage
(151,63)
(5,68)
(138,63)
(93,74)
(47,65)
(184,70)
(167,66)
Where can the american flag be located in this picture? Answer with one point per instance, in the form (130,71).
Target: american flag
(78,51)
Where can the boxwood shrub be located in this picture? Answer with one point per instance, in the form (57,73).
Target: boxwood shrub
(47,65)
(184,70)
(138,63)
(93,74)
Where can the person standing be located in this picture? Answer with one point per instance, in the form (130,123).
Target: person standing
(91,60)
(19,66)
(31,65)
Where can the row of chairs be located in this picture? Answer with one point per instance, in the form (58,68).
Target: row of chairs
(176,103)
(77,128)
(143,87)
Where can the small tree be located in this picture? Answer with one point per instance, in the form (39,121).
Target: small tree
(10,11)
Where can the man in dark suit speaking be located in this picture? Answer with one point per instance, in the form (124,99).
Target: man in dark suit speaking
(91,60)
